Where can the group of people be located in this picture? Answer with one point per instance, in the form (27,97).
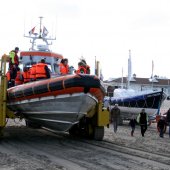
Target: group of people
(16,77)
(83,67)
(39,71)
(142,120)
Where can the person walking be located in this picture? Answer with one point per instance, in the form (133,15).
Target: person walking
(132,123)
(168,119)
(161,126)
(142,119)
(115,116)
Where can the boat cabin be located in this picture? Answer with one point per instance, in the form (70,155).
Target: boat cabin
(28,58)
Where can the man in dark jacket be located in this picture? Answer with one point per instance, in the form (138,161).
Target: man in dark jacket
(14,64)
(142,120)
(115,116)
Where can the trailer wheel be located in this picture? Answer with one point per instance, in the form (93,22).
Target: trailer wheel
(74,131)
(1,133)
(98,133)
(31,124)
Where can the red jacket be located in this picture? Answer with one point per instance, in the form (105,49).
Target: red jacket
(40,70)
(33,72)
(63,69)
(16,59)
(26,76)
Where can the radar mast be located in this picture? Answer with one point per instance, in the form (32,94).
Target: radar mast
(40,35)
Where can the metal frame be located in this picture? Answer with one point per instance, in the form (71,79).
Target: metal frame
(4,112)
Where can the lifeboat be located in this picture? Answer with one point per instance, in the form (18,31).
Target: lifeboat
(70,103)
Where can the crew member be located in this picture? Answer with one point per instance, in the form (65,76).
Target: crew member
(19,78)
(26,74)
(14,62)
(8,75)
(66,65)
(86,66)
(81,68)
(42,70)
(32,71)
(64,68)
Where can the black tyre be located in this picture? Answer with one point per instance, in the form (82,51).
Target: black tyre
(32,124)
(74,131)
(98,133)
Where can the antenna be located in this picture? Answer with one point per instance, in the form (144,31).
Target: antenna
(41,35)
(122,79)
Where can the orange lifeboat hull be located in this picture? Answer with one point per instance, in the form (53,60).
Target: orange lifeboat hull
(57,103)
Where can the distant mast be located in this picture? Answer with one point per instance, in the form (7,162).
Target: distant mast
(122,79)
(129,69)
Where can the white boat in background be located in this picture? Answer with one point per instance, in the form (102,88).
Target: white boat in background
(132,102)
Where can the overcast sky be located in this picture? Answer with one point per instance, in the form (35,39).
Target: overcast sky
(106,29)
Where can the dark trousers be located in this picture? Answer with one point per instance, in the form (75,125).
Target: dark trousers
(161,134)
(143,129)
(115,124)
(132,131)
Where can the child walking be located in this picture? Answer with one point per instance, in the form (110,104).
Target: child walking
(132,123)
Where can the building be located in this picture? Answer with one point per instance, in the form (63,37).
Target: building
(138,84)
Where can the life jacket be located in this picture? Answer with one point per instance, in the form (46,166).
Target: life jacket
(18,79)
(81,70)
(33,73)
(12,56)
(40,70)
(26,76)
(67,69)
(63,69)
(8,75)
